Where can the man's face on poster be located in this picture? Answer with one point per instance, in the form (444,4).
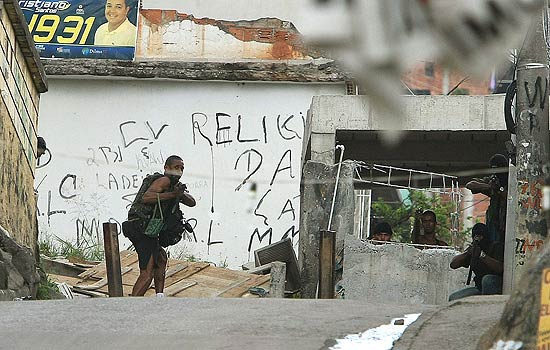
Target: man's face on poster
(116,12)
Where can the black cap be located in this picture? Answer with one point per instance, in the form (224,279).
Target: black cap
(41,142)
(480,229)
(498,161)
(383,227)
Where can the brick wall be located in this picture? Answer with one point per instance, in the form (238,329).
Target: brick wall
(19,100)
(428,76)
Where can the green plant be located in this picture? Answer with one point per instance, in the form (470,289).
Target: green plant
(52,246)
(47,289)
(223,263)
(401,216)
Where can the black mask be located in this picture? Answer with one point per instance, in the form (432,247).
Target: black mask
(174,179)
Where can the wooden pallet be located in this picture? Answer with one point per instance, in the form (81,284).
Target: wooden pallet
(183,279)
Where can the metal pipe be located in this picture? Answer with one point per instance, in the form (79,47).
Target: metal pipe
(342,148)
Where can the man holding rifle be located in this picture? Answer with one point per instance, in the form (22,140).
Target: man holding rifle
(485,258)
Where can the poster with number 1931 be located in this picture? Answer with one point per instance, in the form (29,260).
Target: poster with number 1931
(104,29)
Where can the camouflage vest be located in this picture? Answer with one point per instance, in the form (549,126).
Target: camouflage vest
(145,210)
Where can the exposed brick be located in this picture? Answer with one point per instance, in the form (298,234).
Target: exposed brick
(415,78)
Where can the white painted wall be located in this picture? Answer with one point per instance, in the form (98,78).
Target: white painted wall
(236,10)
(81,121)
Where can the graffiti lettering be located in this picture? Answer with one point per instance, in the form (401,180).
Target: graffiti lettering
(51,212)
(91,160)
(225,129)
(87,230)
(249,153)
(283,126)
(49,159)
(239,133)
(530,195)
(153,133)
(291,232)
(256,233)
(69,196)
(538,93)
(210,241)
(259,205)
(126,143)
(522,245)
(197,127)
(124,183)
(129,198)
(279,169)
(107,152)
(288,208)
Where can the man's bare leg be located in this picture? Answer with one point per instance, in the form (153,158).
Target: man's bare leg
(143,282)
(160,271)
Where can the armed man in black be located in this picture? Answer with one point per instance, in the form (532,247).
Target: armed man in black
(158,190)
(486,259)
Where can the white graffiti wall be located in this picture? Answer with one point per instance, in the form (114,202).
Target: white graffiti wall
(241,144)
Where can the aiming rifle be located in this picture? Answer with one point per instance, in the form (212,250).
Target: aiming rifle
(474,247)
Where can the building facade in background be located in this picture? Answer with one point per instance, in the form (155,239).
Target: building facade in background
(431,78)
(228,93)
(22,79)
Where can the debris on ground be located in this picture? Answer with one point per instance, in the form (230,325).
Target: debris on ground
(183,279)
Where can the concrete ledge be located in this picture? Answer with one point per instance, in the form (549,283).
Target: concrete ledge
(424,113)
(308,71)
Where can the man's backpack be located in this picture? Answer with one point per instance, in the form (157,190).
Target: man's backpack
(173,229)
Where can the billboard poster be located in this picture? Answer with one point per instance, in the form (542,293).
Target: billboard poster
(103,29)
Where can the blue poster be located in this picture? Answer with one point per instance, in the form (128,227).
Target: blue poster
(83,28)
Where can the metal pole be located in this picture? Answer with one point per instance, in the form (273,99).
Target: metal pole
(510,236)
(112,259)
(532,145)
(327,256)
(341,147)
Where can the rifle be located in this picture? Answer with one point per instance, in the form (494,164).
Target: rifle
(473,257)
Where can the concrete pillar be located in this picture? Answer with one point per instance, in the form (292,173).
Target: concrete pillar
(532,146)
(278,279)
(322,147)
(318,180)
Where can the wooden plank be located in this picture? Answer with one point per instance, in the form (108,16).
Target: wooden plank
(171,272)
(130,278)
(190,271)
(226,274)
(103,282)
(90,293)
(90,272)
(243,288)
(71,281)
(178,287)
(207,286)
(233,285)
(99,271)
(260,270)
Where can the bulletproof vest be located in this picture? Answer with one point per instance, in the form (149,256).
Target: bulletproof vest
(145,210)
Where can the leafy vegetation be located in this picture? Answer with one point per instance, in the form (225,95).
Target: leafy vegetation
(53,246)
(47,289)
(401,216)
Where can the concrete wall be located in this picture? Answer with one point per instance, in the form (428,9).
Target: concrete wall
(111,133)
(317,190)
(18,124)
(169,35)
(399,274)
(422,113)
(233,10)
